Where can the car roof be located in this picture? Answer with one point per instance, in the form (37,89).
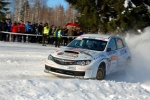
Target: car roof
(100,36)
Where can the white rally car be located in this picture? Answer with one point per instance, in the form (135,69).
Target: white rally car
(89,56)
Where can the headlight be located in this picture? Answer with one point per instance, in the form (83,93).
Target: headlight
(50,57)
(83,62)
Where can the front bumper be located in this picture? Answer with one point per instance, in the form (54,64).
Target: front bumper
(63,71)
(69,71)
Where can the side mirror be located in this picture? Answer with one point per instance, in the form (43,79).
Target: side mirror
(108,49)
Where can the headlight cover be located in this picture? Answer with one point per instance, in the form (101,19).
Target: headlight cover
(83,62)
(50,57)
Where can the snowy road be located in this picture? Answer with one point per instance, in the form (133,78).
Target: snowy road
(23,61)
(22,77)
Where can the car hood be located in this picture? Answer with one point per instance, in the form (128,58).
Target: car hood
(75,53)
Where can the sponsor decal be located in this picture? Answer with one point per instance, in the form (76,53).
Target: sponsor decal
(50,64)
(71,68)
(100,38)
(111,53)
(98,57)
(114,57)
(123,51)
(83,69)
(103,39)
(57,50)
(89,52)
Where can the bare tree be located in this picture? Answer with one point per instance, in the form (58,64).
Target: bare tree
(38,11)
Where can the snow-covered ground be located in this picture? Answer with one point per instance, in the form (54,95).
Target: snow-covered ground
(22,75)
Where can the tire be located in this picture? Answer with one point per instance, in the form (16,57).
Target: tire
(100,73)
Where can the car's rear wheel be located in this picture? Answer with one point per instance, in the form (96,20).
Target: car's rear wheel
(100,73)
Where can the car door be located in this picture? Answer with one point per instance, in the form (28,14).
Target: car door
(112,55)
(121,50)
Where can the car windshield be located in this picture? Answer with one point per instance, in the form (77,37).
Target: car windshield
(91,44)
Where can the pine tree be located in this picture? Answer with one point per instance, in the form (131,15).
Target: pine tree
(112,15)
(3,10)
(89,15)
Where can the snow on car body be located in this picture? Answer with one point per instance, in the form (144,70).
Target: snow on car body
(89,56)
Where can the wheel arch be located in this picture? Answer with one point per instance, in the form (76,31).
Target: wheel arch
(101,72)
(102,64)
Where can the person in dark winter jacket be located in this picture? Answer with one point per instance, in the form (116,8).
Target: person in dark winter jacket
(8,36)
(4,28)
(65,39)
(1,30)
(40,31)
(52,30)
(9,25)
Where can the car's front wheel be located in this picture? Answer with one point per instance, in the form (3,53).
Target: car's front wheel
(100,73)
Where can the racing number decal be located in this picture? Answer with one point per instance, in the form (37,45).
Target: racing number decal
(83,69)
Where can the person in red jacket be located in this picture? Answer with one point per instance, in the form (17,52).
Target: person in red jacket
(14,28)
(21,27)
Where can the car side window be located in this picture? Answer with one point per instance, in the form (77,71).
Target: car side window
(119,43)
(112,45)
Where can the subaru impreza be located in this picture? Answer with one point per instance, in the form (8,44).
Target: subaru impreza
(90,56)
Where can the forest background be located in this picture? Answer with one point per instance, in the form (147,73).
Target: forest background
(102,16)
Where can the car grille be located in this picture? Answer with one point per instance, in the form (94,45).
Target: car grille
(66,72)
(64,61)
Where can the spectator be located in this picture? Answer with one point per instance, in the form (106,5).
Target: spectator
(34,31)
(35,28)
(70,34)
(9,25)
(81,32)
(65,39)
(58,35)
(1,30)
(4,28)
(40,31)
(30,31)
(52,30)
(9,30)
(14,28)
(45,33)
(21,27)
(74,31)
(27,27)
